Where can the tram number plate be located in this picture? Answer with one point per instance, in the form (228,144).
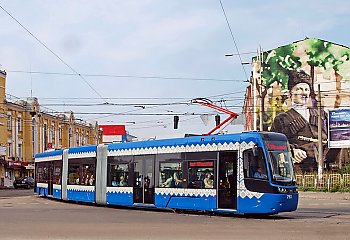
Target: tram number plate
(289,196)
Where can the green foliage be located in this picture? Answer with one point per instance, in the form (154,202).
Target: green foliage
(345,170)
(311,189)
(317,52)
(325,54)
(301,189)
(277,63)
(336,188)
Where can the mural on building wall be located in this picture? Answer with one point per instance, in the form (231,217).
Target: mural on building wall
(288,94)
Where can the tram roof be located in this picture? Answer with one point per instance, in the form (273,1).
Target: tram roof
(187,141)
(50,153)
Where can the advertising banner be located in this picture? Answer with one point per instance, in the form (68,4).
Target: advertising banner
(339,128)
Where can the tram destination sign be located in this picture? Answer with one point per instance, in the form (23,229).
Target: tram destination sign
(339,128)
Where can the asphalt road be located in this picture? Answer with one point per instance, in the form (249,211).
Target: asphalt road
(24,216)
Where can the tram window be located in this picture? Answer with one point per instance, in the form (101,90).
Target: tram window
(42,173)
(39,173)
(170,175)
(73,174)
(119,175)
(57,173)
(88,171)
(80,172)
(201,174)
(254,166)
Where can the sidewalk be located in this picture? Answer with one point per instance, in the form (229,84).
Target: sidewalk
(325,195)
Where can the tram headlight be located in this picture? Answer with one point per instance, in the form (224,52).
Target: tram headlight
(282,190)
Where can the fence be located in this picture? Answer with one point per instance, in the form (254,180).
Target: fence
(329,182)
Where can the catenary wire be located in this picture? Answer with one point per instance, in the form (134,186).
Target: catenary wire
(51,51)
(233,38)
(128,76)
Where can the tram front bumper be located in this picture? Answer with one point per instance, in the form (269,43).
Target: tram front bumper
(269,203)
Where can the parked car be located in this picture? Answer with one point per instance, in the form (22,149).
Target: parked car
(26,182)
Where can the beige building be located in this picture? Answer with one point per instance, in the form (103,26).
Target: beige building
(26,130)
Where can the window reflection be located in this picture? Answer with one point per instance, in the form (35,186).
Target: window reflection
(81,172)
(119,175)
(254,165)
(201,174)
(170,175)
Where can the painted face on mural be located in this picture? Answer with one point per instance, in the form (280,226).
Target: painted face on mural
(300,94)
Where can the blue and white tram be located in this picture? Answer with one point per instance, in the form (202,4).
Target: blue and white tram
(246,173)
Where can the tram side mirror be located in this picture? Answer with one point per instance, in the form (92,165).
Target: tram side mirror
(255,151)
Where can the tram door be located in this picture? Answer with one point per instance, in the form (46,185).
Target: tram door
(144,179)
(50,179)
(227,189)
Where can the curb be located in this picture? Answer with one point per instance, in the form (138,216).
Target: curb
(324,195)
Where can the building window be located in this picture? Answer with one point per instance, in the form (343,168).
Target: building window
(52,134)
(9,122)
(60,133)
(83,140)
(33,130)
(45,136)
(33,137)
(33,149)
(19,124)
(70,131)
(20,150)
(77,139)
(9,149)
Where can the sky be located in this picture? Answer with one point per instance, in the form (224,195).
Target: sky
(140,63)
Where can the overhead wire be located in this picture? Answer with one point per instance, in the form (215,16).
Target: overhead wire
(233,38)
(127,76)
(154,105)
(51,51)
(105,75)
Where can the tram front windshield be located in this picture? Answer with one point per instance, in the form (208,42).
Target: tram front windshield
(280,160)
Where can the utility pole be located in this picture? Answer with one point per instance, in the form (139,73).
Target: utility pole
(256,70)
(260,88)
(257,89)
(319,132)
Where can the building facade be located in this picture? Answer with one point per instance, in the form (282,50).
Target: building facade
(26,130)
(293,88)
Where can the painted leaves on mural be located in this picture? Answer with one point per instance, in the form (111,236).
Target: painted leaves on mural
(312,55)
(319,53)
(326,55)
(277,63)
